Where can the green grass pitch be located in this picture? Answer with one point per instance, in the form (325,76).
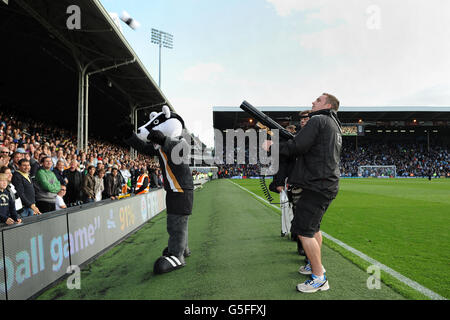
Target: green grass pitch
(237,251)
(402,223)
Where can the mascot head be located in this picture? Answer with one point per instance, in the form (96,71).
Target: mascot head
(169,123)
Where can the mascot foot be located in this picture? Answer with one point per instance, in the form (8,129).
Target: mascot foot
(167,264)
(187,252)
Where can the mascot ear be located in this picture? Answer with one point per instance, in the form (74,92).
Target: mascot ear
(166,111)
(153,114)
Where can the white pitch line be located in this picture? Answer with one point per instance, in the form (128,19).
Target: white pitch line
(411,283)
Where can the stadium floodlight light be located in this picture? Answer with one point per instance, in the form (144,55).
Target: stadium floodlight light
(162,39)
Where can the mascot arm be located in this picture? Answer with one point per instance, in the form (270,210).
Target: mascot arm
(171,143)
(141,146)
(157,137)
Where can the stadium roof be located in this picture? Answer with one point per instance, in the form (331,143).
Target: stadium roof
(344,109)
(41,60)
(234,117)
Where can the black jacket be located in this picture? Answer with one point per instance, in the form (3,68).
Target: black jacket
(60,176)
(34,168)
(74,186)
(112,185)
(24,188)
(7,207)
(318,149)
(154,183)
(286,165)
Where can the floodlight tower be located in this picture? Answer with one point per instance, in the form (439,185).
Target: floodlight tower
(163,39)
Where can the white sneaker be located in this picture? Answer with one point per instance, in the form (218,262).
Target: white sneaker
(313,285)
(307,270)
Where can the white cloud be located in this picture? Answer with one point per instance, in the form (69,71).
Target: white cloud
(202,72)
(406,56)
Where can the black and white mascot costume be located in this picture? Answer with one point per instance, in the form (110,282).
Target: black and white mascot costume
(159,137)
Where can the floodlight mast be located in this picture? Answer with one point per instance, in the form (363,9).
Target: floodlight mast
(163,39)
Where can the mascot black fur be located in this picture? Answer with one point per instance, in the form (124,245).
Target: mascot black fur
(158,137)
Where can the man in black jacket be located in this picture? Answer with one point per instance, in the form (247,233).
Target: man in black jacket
(316,175)
(113,185)
(58,170)
(74,184)
(25,189)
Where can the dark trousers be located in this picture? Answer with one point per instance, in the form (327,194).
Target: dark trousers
(45,206)
(177,227)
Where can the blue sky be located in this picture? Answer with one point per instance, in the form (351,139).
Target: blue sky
(287,52)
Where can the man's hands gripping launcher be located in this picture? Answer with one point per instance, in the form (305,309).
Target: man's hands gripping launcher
(266,123)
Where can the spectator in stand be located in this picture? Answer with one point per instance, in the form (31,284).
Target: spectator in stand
(134,174)
(36,155)
(58,170)
(17,155)
(304,117)
(25,189)
(35,166)
(153,178)
(160,178)
(74,185)
(46,186)
(4,156)
(112,185)
(125,173)
(89,185)
(100,166)
(58,156)
(34,162)
(108,170)
(8,212)
(12,190)
(99,185)
(59,203)
(143,183)
(291,129)
(4,160)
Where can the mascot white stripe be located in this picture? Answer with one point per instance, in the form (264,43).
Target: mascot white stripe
(171,262)
(176,260)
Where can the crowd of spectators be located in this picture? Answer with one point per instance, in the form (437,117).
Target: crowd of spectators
(240,170)
(45,171)
(411,159)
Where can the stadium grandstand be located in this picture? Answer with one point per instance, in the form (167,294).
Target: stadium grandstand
(378,141)
(62,92)
(73,76)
